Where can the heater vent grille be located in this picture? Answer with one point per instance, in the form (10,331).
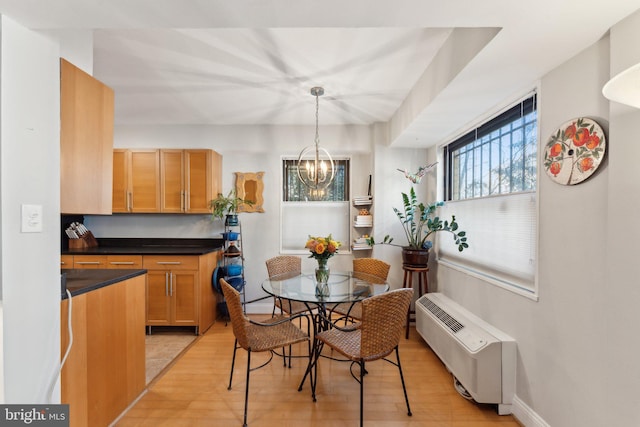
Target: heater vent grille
(449,321)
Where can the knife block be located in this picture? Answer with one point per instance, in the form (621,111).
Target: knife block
(85,241)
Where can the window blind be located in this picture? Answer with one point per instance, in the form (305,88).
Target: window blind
(502,235)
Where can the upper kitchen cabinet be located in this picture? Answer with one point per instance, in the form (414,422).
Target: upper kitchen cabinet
(136,181)
(187,180)
(173,181)
(86,142)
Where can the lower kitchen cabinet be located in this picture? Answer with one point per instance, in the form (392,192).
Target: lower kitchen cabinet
(179,290)
(105,369)
(172,298)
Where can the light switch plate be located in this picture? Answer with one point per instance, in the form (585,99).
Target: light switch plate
(31,219)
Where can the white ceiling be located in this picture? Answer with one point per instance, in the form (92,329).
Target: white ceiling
(429,68)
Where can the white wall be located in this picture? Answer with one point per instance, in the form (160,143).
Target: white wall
(30,174)
(577,359)
(244,149)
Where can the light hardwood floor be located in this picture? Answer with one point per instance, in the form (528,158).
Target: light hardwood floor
(193,392)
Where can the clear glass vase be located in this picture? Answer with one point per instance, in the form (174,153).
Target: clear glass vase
(322,277)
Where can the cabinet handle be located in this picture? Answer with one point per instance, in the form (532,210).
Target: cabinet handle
(186,201)
(62,263)
(129,201)
(121,263)
(182,201)
(166,284)
(168,262)
(171,284)
(88,262)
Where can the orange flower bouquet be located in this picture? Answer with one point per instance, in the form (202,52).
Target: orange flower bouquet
(322,248)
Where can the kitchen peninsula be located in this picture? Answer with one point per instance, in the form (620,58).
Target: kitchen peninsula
(117,288)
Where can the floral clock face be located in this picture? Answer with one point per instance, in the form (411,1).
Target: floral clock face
(574,151)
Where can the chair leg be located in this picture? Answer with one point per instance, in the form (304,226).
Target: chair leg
(233,362)
(362,372)
(404,388)
(246,390)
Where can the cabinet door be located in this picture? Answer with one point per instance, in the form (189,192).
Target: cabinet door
(86,142)
(198,181)
(145,181)
(172,181)
(184,297)
(121,167)
(158,299)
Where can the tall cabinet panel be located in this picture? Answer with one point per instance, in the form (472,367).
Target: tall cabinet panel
(172,177)
(199,180)
(145,182)
(86,142)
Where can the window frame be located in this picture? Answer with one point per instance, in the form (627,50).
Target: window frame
(461,262)
(495,123)
(315,205)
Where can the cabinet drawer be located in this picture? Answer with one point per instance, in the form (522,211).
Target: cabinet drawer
(66,261)
(169,262)
(124,261)
(89,261)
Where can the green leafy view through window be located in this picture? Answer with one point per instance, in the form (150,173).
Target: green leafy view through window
(295,191)
(498,157)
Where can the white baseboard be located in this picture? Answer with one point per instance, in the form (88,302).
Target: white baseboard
(525,415)
(261,307)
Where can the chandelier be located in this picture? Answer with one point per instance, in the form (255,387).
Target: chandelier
(315,165)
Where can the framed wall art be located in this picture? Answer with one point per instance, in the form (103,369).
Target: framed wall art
(249,186)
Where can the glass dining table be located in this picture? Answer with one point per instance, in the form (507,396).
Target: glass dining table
(344,287)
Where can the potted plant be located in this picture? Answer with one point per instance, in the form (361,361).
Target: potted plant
(419,224)
(227,206)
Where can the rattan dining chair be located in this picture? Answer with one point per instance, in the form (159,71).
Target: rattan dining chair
(280,265)
(375,337)
(277,332)
(371,267)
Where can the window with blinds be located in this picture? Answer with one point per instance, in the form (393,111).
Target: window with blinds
(491,178)
(320,213)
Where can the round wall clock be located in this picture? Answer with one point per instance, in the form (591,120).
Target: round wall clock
(574,151)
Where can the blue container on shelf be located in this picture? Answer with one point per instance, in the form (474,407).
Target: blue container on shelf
(230,235)
(234,269)
(236,282)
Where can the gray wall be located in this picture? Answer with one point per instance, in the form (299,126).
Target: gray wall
(577,357)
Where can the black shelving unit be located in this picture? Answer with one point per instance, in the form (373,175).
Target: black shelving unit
(232,267)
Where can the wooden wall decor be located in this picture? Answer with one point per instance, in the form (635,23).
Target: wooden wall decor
(249,186)
(574,151)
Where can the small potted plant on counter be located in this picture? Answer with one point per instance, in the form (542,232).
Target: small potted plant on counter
(419,225)
(227,206)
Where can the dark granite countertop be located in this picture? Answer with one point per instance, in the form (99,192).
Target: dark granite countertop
(81,281)
(149,246)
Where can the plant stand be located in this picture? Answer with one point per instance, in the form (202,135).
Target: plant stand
(408,283)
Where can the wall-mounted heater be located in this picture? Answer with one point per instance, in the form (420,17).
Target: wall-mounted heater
(480,357)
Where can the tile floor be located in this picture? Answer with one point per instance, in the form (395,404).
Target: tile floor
(163,346)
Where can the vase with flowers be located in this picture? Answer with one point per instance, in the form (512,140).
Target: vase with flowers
(322,248)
